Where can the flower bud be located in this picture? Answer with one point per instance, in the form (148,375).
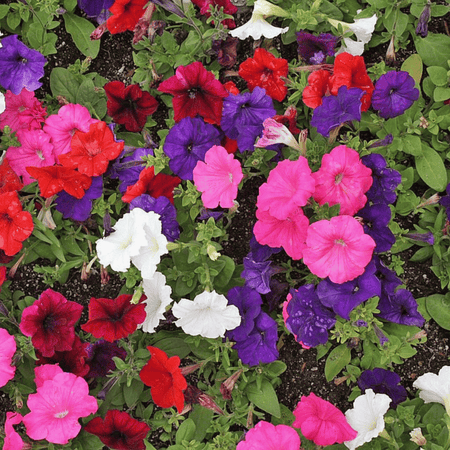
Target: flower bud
(417,437)
(422,25)
(390,53)
(228,385)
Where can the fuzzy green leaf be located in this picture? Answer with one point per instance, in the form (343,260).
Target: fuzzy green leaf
(80,29)
(338,358)
(264,398)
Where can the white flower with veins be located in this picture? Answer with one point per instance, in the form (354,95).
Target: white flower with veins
(435,388)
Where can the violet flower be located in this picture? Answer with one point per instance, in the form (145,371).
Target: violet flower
(421,237)
(336,110)
(394,93)
(100,355)
(401,308)
(314,49)
(261,252)
(95,8)
(187,143)
(243,116)
(257,274)
(383,381)
(387,140)
(422,25)
(445,201)
(388,278)
(20,66)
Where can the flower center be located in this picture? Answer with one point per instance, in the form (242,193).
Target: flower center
(117,435)
(245,105)
(49,322)
(267,73)
(340,242)
(126,243)
(338,178)
(153,246)
(21,59)
(193,92)
(230,177)
(61,414)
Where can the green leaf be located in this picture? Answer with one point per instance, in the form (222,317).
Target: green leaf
(132,393)
(202,418)
(70,5)
(338,358)
(438,75)
(80,29)
(186,432)
(13,20)
(174,347)
(438,306)
(441,94)
(431,168)
(4,9)
(412,145)
(89,96)
(434,49)
(63,83)
(414,66)
(264,398)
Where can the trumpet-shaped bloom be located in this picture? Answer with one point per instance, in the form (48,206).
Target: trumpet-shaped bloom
(13,441)
(435,388)
(9,180)
(288,186)
(100,357)
(218,178)
(322,422)
(317,88)
(57,407)
(208,315)
(315,49)
(264,435)
(7,350)
(344,179)
(276,133)
(228,8)
(126,14)
(400,307)
(337,248)
(367,417)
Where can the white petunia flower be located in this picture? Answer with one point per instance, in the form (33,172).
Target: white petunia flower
(435,388)
(2,103)
(367,417)
(208,315)
(158,298)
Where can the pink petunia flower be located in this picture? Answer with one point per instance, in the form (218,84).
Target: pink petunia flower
(342,179)
(218,178)
(13,441)
(35,151)
(289,233)
(265,436)
(7,350)
(56,408)
(288,186)
(276,133)
(46,372)
(322,422)
(338,248)
(62,126)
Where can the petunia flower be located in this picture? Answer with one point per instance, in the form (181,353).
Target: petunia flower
(208,315)
(113,319)
(435,388)
(314,49)
(165,379)
(7,350)
(317,88)
(394,93)
(21,67)
(16,225)
(226,5)
(118,430)
(93,8)
(126,14)
(337,248)
(158,299)
(400,307)
(218,178)
(344,179)
(13,441)
(422,24)
(9,180)
(195,91)
(129,106)
(367,417)
(57,407)
(257,274)
(265,435)
(100,357)
(50,322)
(289,118)
(321,422)
(265,71)
(276,133)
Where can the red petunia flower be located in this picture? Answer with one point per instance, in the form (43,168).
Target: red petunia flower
(228,8)
(195,91)
(113,319)
(119,430)
(91,152)
(265,70)
(289,118)
(164,376)
(126,14)
(54,179)
(351,71)
(9,180)
(50,322)
(151,184)
(231,87)
(317,88)
(129,106)
(16,225)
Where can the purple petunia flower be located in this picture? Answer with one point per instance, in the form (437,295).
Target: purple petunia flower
(336,110)
(20,66)
(445,201)
(344,297)
(261,252)
(100,357)
(95,8)
(187,143)
(307,318)
(257,275)
(421,237)
(163,207)
(385,180)
(401,308)
(376,219)
(205,214)
(277,291)
(389,280)
(314,49)
(79,209)
(394,93)
(383,381)
(243,116)
(260,346)
(387,140)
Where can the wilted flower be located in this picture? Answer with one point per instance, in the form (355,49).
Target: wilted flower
(422,25)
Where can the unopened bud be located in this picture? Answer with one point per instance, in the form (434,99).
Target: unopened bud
(390,54)
(226,388)
(417,437)
(422,25)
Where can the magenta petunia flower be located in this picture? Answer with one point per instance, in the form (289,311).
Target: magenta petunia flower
(288,186)
(218,178)
(342,179)
(322,422)
(13,441)
(56,408)
(338,249)
(7,350)
(265,435)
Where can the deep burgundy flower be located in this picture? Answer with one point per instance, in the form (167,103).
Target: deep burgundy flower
(226,51)
(129,106)
(100,357)
(401,308)
(126,14)
(314,49)
(50,322)
(114,319)
(195,91)
(119,430)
